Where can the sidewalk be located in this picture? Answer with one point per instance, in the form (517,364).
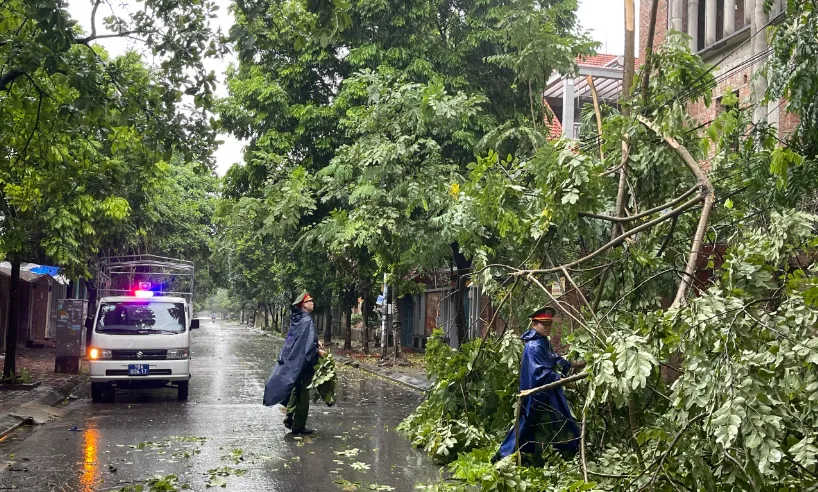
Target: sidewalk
(18,407)
(411,376)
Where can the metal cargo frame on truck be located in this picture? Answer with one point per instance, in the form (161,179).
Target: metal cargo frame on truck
(118,274)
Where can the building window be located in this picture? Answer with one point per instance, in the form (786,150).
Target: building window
(683,12)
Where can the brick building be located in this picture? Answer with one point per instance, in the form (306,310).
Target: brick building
(724,33)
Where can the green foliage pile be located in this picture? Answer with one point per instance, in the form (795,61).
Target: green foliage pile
(324,380)
(471,401)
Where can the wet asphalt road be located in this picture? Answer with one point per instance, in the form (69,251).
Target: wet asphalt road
(223,434)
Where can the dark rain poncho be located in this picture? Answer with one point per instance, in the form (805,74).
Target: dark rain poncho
(297,360)
(545,417)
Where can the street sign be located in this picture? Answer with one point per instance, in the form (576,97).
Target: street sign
(379,302)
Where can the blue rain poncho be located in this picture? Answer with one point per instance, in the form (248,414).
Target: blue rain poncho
(297,360)
(545,418)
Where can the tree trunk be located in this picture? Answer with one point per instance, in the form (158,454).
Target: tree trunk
(365,313)
(284,324)
(349,295)
(328,329)
(463,266)
(266,316)
(654,7)
(92,293)
(9,368)
(630,46)
(396,324)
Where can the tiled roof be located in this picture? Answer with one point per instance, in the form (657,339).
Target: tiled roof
(596,60)
(554,126)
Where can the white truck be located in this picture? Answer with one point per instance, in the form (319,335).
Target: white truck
(140,329)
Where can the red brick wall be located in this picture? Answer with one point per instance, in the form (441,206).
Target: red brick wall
(740,81)
(644,23)
(786,122)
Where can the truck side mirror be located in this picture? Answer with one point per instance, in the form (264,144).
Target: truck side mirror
(194,324)
(89,323)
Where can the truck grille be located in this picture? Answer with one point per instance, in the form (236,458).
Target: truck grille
(139,354)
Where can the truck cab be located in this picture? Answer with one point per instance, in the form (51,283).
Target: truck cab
(140,340)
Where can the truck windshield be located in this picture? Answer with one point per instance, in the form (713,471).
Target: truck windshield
(141,317)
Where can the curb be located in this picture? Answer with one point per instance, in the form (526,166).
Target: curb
(51,398)
(407,381)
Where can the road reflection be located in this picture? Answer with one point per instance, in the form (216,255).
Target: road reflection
(90,466)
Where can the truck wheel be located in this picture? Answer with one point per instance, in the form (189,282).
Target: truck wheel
(101,392)
(183,388)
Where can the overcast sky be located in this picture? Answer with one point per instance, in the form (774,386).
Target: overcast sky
(605,19)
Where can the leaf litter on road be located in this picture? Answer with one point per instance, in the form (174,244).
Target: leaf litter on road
(349,453)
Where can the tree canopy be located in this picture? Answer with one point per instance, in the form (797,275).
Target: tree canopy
(90,144)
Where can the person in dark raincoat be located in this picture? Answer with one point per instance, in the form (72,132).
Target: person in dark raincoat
(287,385)
(545,418)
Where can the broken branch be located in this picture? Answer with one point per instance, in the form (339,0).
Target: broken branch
(619,239)
(709,199)
(555,384)
(590,81)
(646,213)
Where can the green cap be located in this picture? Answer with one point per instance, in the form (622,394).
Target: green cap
(300,300)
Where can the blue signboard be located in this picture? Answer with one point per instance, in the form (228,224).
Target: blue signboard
(45,270)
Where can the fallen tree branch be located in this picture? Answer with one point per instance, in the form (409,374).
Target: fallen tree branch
(622,190)
(668,237)
(709,199)
(555,384)
(598,113)
(607,475)
(579,292)
(582,440)
(619,239)
(646,213)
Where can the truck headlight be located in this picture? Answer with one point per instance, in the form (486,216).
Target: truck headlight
(178,354)
(95,354)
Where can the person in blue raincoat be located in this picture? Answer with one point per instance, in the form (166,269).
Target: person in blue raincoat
(293,372)
(545,418)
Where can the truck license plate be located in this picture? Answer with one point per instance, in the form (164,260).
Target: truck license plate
(138,369)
